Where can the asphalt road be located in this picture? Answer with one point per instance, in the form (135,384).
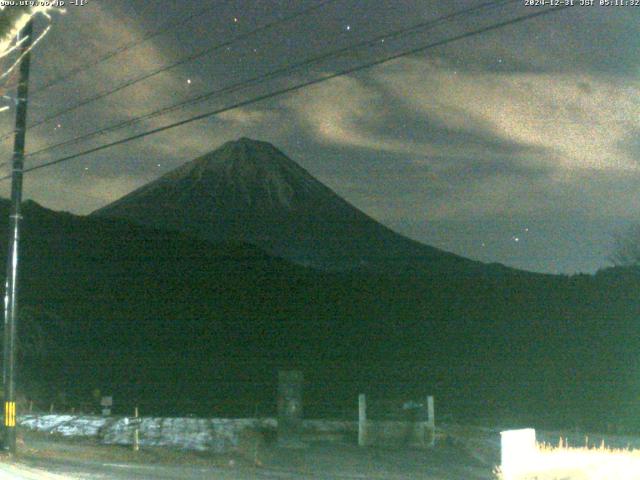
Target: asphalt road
(317,462)
(45,457)
(10,471)
(60,471)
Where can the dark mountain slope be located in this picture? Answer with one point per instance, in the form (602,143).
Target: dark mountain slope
(250,191)
(179,325)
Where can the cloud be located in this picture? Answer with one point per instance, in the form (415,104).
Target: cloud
(577,118)
(562,121)
(356,113)
(447,144)
(245,117)
(344,112)
(82,194)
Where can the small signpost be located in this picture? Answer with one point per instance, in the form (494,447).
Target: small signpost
(106,403)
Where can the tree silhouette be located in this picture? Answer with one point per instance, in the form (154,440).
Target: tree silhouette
(626,249)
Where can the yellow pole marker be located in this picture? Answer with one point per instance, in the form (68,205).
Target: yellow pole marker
(9,414)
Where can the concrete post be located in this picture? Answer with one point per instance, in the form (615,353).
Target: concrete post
(290,408)
(136,433)
(431,421)
(362,420)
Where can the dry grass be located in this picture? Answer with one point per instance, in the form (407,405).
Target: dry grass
(563,462)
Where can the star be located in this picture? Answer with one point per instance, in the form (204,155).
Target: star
(348,27)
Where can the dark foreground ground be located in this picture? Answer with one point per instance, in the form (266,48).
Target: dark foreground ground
(43,457)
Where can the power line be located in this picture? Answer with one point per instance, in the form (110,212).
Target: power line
(298,87)
(123,48)
(166,68)
(281,71)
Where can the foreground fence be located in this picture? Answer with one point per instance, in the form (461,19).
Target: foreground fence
(227,434)
(409,423)
(389,421)
(202,434)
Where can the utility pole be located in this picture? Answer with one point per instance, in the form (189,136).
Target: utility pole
(11,294)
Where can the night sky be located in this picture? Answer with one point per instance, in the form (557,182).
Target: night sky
(518,146)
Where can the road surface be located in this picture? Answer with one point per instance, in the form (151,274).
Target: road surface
(42,457)
(9,471)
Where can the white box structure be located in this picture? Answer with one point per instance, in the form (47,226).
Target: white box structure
(518,452)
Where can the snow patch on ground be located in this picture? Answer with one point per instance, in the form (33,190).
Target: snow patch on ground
(216,434)
(201,434)
(66,425)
